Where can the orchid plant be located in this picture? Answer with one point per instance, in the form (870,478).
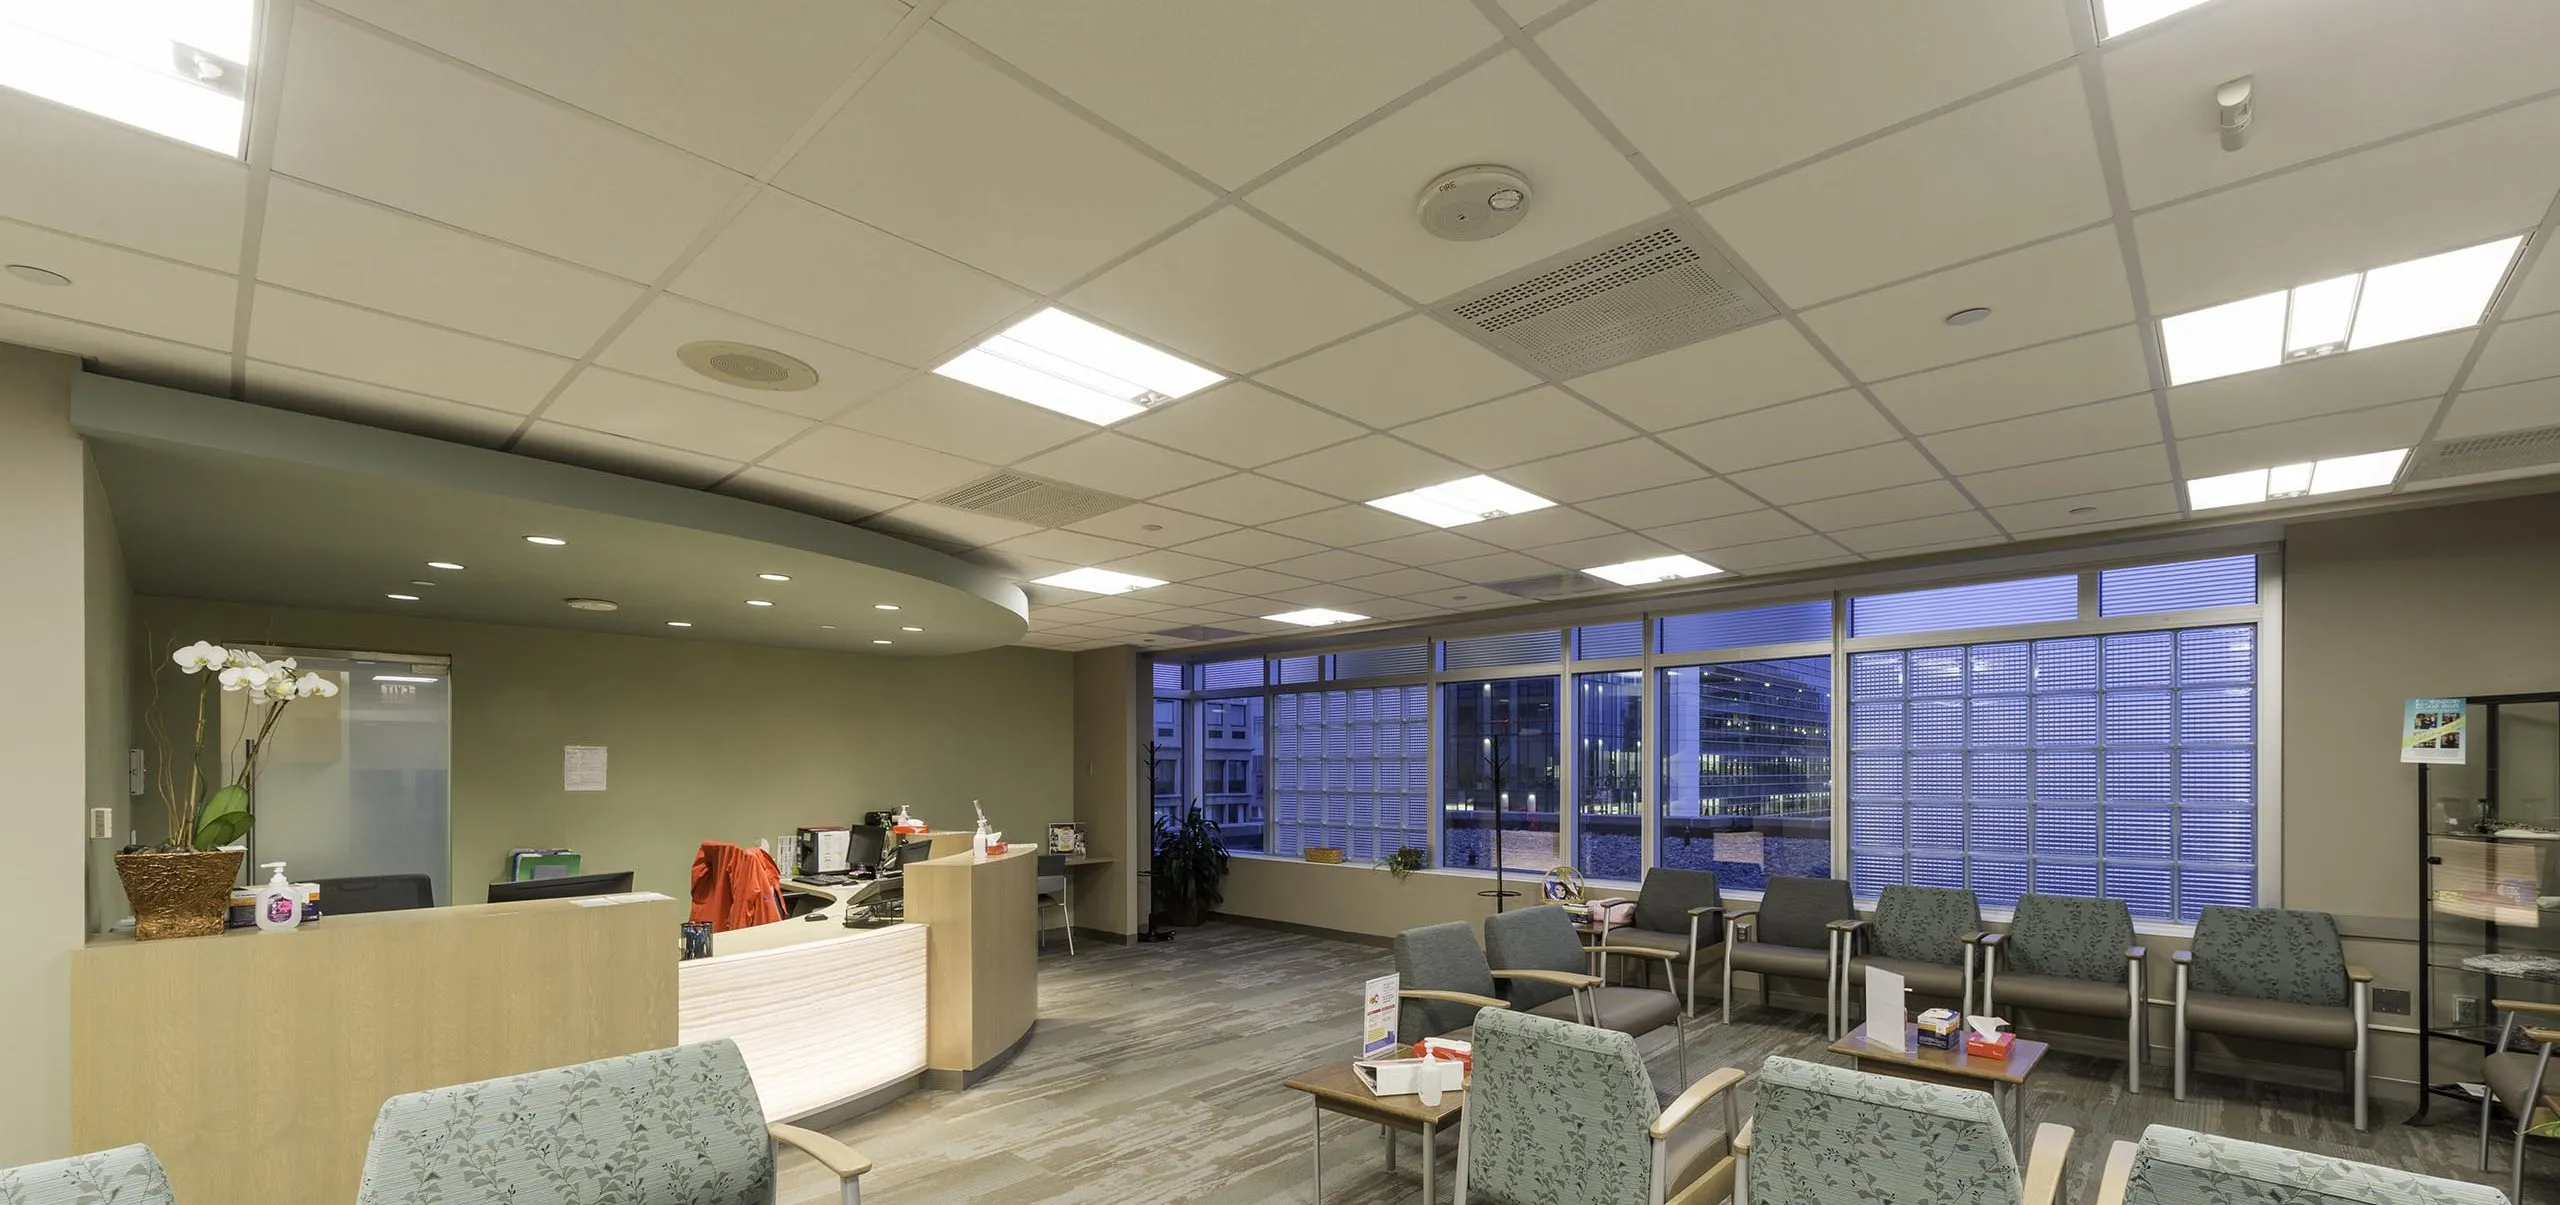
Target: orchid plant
(198,821)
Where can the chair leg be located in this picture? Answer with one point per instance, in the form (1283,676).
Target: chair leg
(2515,1171)
(2488,1105)
(1067,912)
(2136,1010)
(1727,999)
(2364,1017)
(2178,1039)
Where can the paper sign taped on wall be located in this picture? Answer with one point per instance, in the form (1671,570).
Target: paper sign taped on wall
(582,767)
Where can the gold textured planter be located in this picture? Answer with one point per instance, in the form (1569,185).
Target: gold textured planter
(178,895)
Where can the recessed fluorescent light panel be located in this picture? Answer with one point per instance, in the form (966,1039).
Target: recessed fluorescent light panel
(2125,16)
(174,67)
(2347,313)
(2337,474)
(1458,503)
(1097,581)
(1058,361)
(1316,617)
(403,678)
(1656,569)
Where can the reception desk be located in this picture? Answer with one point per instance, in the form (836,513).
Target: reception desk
(982,942)
(826,1017)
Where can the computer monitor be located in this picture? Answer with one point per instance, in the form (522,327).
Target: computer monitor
(863,844)
(375,893)
(914,851)
(564,887)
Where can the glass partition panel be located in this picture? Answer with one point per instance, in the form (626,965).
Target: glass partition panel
(357,784)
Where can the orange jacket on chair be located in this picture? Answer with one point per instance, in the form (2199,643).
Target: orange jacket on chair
(735,887)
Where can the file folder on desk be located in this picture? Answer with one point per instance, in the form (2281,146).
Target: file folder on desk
(525,865)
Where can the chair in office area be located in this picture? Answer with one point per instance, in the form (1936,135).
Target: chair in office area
(127,1175)
(2276,975)
(680,1126)
(2171,1166)
(1548,971)
(1442,981)
(1564,1112)
(1788,936)
(376,893)
(1052,892)
(1681,913)
(1928,935)
(2516,1074)
(2075,956)
(1822,1135)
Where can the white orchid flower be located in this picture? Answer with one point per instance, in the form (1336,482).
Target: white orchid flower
(201,656)
(279,687)
(310,685)
(244,659)
(245,677)
(288,664)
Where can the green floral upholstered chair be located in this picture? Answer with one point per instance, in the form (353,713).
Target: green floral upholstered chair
(1822,1135)
(127,1175)
(1560,1112)
(2517,1071)
(2274,975)
(680,1126)
(1547,970)
(1442,980)
(2074,956)
(1789,936)
(1680,913)
(2171,1166)
(1928,935)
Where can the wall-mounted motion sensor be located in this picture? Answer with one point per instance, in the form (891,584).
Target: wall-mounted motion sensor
(2232,100)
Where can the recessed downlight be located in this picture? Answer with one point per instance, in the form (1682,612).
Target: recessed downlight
(545,541)
(884,606)
(748,366)
(39,276)
(443,565)
(401,597)
(678,623)
(879,642)
(1316,617)
(420,581)
(759,602)
(592,604)
(1968,317)
(826,627)
(775,577)
(911,629)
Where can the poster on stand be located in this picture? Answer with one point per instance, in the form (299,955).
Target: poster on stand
(1378,1017)
(2436,732)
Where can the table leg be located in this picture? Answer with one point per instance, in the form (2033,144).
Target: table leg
(1390,1134)
(1319,1144)
(1430,1162)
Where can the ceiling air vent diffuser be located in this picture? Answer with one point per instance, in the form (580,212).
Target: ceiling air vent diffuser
(1199,631)
(1557,585)
(1027,499)
(1644,290)
(2507,453)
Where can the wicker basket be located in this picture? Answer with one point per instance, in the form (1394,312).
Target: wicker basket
(178,895)
(1324,854)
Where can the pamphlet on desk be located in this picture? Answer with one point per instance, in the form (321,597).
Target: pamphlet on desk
(1886,1024)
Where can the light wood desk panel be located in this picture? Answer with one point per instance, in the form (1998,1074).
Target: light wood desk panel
(982,951)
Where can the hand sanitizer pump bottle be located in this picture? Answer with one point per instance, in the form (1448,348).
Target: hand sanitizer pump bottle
(279,902)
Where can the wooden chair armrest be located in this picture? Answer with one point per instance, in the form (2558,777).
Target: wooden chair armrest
(2135,953)
(2357,974)
(1848,926)
(1433,993)
(1558,978)
(2182,957)
(1742,1140)
(2045,1160)
(1699,1093)
(1639,951)
(1703,909)
(1744,917)
(846,1162)
(2540,1036)
(2113,1180)
(2546,1007)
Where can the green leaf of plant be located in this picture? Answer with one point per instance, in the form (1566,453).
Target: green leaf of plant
(225,817)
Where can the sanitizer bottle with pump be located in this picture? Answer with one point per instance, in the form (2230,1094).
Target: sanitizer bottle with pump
(279,902)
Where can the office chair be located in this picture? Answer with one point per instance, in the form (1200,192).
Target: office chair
(376,893)
(1052,891)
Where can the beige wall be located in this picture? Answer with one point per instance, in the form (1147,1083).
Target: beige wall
(708,741)
(1107,709)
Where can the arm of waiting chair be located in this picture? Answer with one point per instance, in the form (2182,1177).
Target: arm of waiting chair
(1716,1082)
(1742,921)
(2357,974)
(1572,979)
(2545,1007)
(1466,998)
(2182,957)
(1742,1139)
(2045,1160)
(845,1162)
(2117,1175)
(1637,951)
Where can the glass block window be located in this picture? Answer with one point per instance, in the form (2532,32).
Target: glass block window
(1750,627)
(1950,608)
(1518,648)
(2230,581)
(1168,677)
(1227,675)
(1401,661)
(1625,639)
(1351,770)
(1746,769)
(1297,671)
(2122,766)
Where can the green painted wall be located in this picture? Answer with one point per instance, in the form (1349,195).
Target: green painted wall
(708,741)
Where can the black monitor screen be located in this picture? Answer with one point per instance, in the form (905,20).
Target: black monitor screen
(863,844)
(565,887)
(912,852)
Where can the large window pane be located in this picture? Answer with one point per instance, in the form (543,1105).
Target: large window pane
(1165,749)
(1498,753)
(1350,770)
(1746,769)
(1608,771)
(1232,770)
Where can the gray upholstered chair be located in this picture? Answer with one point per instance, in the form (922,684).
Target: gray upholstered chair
(1049,888)
(2171,1166)
(1681,913)
(2517,1074)
(1789,936)
(1548,972)
(1928,935)
(1564,1112)
(2274,975)
(2075,956)
(679,1126)
(1821,1135)
(1442,981)
(127,1175)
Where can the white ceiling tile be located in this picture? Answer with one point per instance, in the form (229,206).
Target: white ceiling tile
(2469,184)
(111,182)
(2540,291)
(1791,553)
(1682,80)
(1184,595)
(1251,548)
(1233,608)
(114,287)
(1165,564)
(1705,499)
(1834,422)
(1366,469)
(1122,466)
(1919,550)
(1524,426)
(360,253)
(649,345)
(1919,533)
(122,354)
(1231,291)
(947,525)
(697,76)
(1896,463)
(824,498)
(947,416)
(942,149)
(2064,287)
(1404,581)
(1072,547)
(1227,90)
(2392,373)
(1399,373)
(2518,351)
(2107,508)
(2099,427)
(803,267)
(1882,506)
(1336,565)
(1344,526)
(1999,172)
(1397,608)
(621,455)
(1705,536)
(1240,423)
(1154,526)
(1499,567)
(324,336)
(1602,550)
(2505,408)
(1023,567)
(600,399)
(1357,197)
(2089,368)
(1248,582)
(1553,525)
(2352,433)
(367,116)
(1325,594)
(2076,475)
(2320,62)
(1429,548)
(1745,370)
(1618,468)
(377,406)
(1248,499)
(872,463)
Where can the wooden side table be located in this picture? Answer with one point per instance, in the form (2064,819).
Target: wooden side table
(1999,1077)
(1336,1088)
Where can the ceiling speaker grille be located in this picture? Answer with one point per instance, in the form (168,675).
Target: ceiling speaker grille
(1633,294)
(1024,498)
(2504,452)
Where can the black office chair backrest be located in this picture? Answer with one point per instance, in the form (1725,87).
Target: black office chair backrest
(1052,865)
(376,893)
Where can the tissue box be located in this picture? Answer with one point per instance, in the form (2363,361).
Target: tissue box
(1939,1029)
(1403,1077)
(1989,1046)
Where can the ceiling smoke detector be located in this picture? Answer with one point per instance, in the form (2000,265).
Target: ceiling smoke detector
(592,604)
(747,366)
(1474,202)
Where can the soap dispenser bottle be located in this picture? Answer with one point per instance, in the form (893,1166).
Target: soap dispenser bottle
(279,902)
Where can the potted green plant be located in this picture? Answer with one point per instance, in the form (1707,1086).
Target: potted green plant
(180,887)
(1190,859)
(1402,863)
